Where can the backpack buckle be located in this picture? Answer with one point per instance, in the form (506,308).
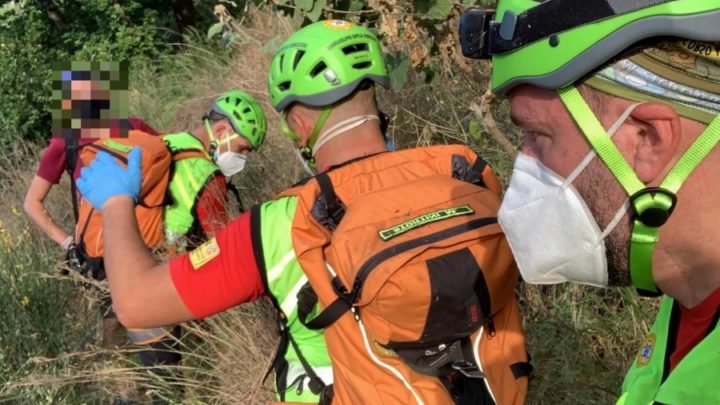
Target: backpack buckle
(468,369)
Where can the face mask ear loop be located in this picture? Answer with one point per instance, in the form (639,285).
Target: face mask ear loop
(591,155)
(342,127)
(619,215)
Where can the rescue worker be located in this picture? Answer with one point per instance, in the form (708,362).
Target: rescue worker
(620,107)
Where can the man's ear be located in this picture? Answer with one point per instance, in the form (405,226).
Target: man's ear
(298,121)
(658,136)
(220,129)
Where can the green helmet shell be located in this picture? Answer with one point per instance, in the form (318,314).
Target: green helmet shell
(245,115)
(323,63)
(569,47)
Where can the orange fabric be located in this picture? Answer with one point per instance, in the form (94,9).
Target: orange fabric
(380,192)
(156,159)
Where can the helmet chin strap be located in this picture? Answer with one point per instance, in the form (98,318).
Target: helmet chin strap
(212,141)
(651,206)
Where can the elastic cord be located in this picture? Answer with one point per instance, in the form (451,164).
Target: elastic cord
(591,155)
(342,127)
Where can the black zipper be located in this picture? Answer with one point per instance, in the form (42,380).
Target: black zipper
(392,251)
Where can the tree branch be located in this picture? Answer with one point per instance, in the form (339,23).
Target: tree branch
(483,113)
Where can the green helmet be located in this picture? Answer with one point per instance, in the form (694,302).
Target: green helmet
(323,63)
(555,43)
(245,115)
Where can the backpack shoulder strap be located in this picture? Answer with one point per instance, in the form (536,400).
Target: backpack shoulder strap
(71,155)
(328,209)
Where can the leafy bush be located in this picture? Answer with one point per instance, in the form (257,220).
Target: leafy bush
(36,33)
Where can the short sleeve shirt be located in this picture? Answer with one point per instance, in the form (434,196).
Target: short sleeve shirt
(53,164)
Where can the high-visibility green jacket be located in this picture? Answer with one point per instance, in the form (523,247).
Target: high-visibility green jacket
(693,381)
(188,177)
(283,278)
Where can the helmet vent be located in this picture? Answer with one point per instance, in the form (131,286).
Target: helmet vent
(246,110)
(284,86)
(355,48)
(251,122)
(362,65)
(298,56)
(318,69)
(237,102)
(236,115)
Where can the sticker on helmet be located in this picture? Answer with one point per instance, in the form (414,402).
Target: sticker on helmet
(204,253)
(338,24)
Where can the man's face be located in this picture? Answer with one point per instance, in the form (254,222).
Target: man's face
(551,136)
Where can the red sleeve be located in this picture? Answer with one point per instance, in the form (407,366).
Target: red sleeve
(210,209)
(140,125)
(52,162)
(225,273)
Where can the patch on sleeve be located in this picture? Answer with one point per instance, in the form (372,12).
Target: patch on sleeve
(204,253)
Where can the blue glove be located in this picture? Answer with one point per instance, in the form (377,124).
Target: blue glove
(106,178)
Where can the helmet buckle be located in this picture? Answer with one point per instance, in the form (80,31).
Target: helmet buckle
(656,215)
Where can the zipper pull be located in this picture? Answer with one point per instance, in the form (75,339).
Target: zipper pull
(491,327)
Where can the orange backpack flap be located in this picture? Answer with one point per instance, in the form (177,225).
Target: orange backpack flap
(389,268)
(432,260)
(156,159)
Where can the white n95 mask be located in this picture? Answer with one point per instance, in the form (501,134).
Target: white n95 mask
(231,163)
(551,231)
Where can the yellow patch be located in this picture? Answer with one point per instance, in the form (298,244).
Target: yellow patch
(204,253)
(338,24)
(646,350)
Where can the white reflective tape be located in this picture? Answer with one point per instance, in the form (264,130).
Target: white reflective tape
(290,302)
(277,270)
(295,369)
(476,353)
(386,366)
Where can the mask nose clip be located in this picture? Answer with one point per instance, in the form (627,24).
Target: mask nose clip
(650,211)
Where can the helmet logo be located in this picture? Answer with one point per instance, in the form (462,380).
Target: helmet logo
(331,77)
(338,24)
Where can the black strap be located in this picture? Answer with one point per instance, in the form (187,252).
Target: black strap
(71,155)
(478,167)
(307,299)
(234,190)
(279,364)
(555,16)
(521,369)
(333,205)
(316,384)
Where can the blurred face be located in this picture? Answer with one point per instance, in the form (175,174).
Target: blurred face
(84,90)
(551,136)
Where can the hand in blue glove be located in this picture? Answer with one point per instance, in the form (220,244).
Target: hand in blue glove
(106,178)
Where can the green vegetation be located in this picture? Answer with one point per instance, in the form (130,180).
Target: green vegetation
(581,339)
